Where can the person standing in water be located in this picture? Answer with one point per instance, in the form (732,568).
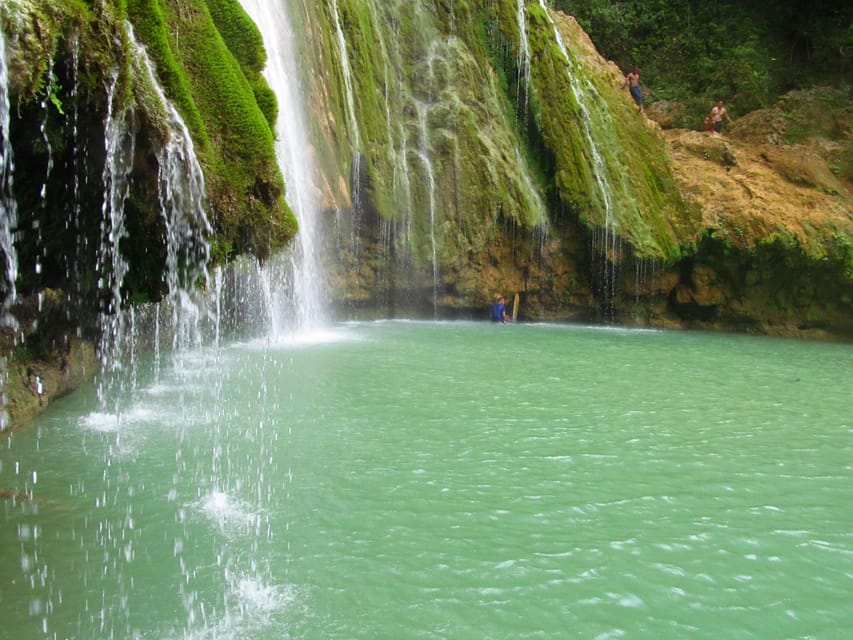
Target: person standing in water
(499,313)
(632,81)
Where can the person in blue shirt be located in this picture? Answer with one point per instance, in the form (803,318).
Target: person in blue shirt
(499,313)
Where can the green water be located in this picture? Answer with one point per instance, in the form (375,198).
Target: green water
(426,480)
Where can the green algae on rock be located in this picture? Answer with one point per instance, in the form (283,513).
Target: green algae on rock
(77,67)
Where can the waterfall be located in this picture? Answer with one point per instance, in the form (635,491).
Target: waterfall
(599,165)
(423,154)
(8,205)
(608,243)
(523,62)
(401,187)
(111,265)
(181,195)
(347,71)
(297,165)
(353,121)
(45,107)
(78,162)
(8,219)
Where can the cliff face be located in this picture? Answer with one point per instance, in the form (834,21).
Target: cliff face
(475,147)
(136,149)
(479,146)
(775,255)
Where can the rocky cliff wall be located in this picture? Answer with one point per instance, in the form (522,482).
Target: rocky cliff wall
(486,146)
(101,205)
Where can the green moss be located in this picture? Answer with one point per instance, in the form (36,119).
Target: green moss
(243,39)
(39,28)
(367,59)
(232,130)
(151,28)
(224,102)
(625,182)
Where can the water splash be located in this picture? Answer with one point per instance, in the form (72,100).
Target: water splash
(307,294)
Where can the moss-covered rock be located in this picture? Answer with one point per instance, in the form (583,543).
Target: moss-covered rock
(78,76)
(499,150)
(214,82)
(195,63)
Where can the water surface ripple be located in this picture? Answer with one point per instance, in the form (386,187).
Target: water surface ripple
(446,480)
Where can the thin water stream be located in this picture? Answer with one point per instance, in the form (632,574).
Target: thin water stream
(8,205)
(443,480)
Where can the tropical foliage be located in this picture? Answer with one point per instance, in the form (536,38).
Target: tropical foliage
(746,53)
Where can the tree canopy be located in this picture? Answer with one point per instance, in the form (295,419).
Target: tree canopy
(747,53)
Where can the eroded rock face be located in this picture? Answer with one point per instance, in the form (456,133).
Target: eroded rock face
(748,192)
(778,228)
(45,358)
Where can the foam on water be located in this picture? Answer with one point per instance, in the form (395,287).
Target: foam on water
(258,599)
(303,338)
(226,511)
(252,605)
(101,422)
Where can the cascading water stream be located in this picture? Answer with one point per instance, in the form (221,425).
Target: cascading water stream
(423,154)
(347,72)
(401,188)
(8,218)
(523,61)
(77,163)
(8,204)
(353,122)
(599,165)
(45,106)
(181,196)
(111,265)
(600,168)
(296,163)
